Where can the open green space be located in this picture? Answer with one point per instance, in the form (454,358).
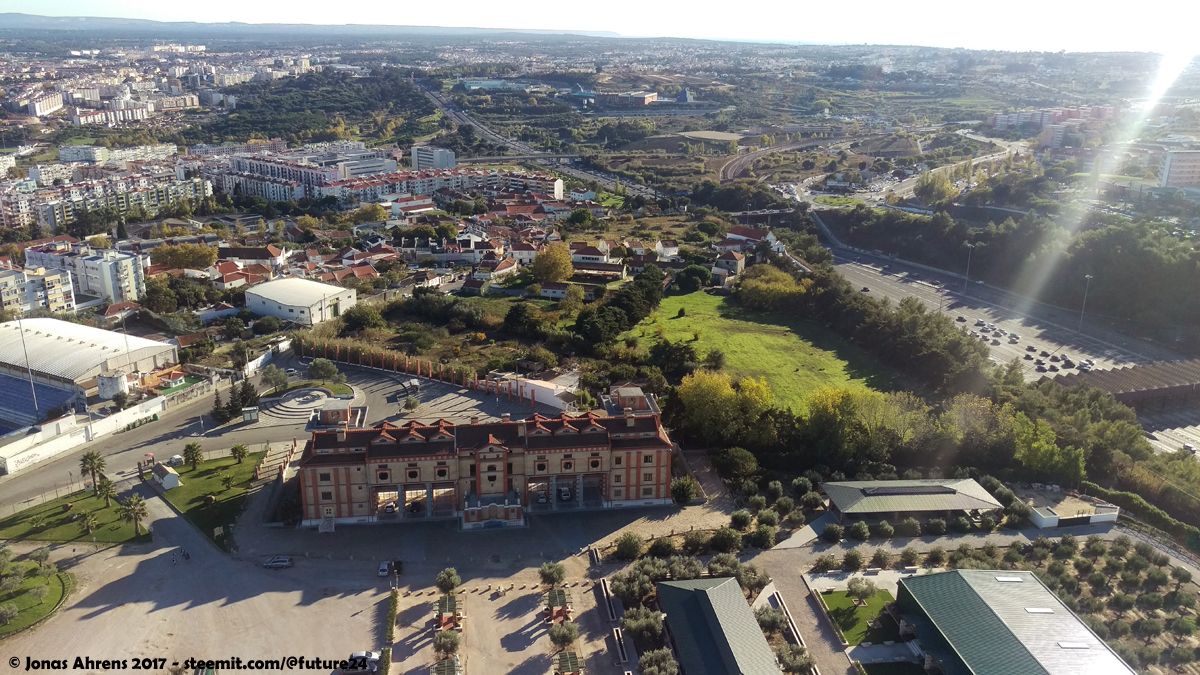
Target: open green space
(609,200)
(336,388)
(854,619)
(205,481)
(795,355)
(63,519)
(831,200)
(188,381)
(31,605)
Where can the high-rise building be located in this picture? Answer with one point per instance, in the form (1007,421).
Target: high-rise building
(428,157)
(108,274)
(45,104)
(1181,169)
(34,288)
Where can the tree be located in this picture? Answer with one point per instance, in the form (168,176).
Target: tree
(564,634)
(446,642)
(133,510)
(274,376)
(232,327)
(933,187)
(89,522)
(629,546)
(193,454)
(812,500)
(1181,576)
(852,561)
(120,400)
(226,482)
(736,464)
(794,659)
(692,278)
(9,611)
(106,490)
(219,413)
(833,533)
(658,662)
(644,625)
(92,463)
(552,573)
(239,452)
(770,620)
(447,580)
(1147,629)
(322,369)
(248,395)
(159,297)
(572,300)
(859,530)
(860,590)
(882,558)
(370,213)
(684,489)
(184,256)
(741,519)
(726,540)
(362,317)
(553,263)
(267,325)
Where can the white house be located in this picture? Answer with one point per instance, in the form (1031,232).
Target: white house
(302,301)
(589,254)
(523,252)
(166,477)
(667,249)
(497,272)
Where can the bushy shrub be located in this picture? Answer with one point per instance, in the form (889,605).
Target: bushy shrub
(833,533)
(935,526)
(882,530)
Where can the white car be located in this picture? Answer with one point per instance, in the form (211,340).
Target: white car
(385,568)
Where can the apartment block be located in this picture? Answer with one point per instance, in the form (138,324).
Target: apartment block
(35,288)
(108,274)
(45,104)
(375,188)
(59,206)
(1180,169)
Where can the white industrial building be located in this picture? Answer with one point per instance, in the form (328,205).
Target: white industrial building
(301,301)
(428,157)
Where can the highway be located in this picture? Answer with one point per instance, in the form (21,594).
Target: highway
(739,165)
(524,150)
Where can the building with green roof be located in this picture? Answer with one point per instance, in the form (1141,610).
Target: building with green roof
(985,622)
(895,499)
(712,629)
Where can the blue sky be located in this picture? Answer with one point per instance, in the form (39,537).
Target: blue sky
(1072,25)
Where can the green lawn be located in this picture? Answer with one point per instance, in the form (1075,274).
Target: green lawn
(188,381)
(29,609)
(795,355)
(831,200)
(337,388)
(206,480)
(49,522)
(852,619)
(609,200)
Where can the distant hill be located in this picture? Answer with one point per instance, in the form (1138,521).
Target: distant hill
(13,21)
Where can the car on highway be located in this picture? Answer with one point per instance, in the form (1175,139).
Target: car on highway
(278,562)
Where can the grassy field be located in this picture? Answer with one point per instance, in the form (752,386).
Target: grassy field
(794,355)
(49,522)
(205,480)
(30,609)
(852,619)
(831,200)
(337,388)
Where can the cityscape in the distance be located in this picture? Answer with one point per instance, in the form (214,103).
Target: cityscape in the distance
(478,351)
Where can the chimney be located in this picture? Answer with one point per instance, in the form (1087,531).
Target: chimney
(628,417)
(474,419)
(506,417)
(521,428)
(341,434)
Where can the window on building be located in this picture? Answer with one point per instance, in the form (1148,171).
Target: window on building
(617,460)
(648,491)
(472,471)
(540,466)
(384,475)
(441,473)
(617,478)
(647,477)
(326,495)
(595,464)
(413,475)
(618,493)
(568,466)
(647,459)
(324,477)
(491,467)
(508,467)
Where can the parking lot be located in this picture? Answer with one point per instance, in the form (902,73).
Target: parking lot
(1171,430)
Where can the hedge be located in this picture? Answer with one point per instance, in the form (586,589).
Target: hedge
(1153,515)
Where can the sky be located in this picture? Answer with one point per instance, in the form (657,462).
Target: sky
(1017,25)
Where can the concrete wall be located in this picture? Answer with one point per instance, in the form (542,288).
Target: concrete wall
(1043,517)
(65,434)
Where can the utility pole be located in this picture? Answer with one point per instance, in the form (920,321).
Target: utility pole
(967,276)
(1087,284)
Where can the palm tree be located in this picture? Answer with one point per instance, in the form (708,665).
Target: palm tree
(89,522)
(91,463)
(106,490)
(239,452)
(133,510)
(192,454)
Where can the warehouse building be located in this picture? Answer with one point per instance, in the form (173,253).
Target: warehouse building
(984,622)
(897,499)
(712,629)
(301,301)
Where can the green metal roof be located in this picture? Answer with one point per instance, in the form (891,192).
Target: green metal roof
(1006,623)
(899,496)
(713,629)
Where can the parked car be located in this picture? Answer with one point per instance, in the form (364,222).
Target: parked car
(565,494)
(176,460)
(292,372)
(1030,348)
(389,507)
(961,319)
(385,568)
(278,562)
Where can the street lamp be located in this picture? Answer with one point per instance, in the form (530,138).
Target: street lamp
(967,276)
(1087,283)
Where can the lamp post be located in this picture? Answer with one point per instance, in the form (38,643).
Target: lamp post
(1087,284)
(967,276)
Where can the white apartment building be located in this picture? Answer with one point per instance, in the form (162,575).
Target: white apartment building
(46,174)
(308,175)
(18,204)
(57,207)
(34,288)
(428,157)
(249,148)
(108,274)
(7,162)
(271,189)
(96,154)
(87,117)
(46,104)
(1180,169)
(376,188)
